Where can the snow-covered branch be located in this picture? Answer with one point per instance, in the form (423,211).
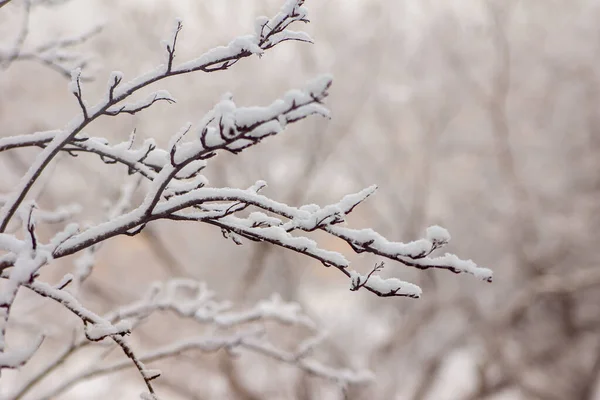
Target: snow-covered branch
(219,58)
(176,190)
(237,330)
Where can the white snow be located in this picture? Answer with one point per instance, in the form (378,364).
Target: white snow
(288,35)
(460,265)
(437,234)
(102,329)
(349,201)
(385,286)
(9,242)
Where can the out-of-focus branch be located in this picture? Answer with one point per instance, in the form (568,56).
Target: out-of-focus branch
(51,366)
(574,282)
(8,56)
(56,55)
(97,328)
(191,300)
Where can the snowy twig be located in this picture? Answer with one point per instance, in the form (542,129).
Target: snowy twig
(217,59)
(75,88)
(192,300)
(358,283)
(28,260)
(96,327)
(170,46)
(413,254)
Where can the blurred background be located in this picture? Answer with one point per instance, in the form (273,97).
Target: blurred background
(481,116)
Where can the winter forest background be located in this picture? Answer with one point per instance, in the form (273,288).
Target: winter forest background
(478,116)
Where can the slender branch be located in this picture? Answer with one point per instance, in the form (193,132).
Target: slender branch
(217,59)
(70,303)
